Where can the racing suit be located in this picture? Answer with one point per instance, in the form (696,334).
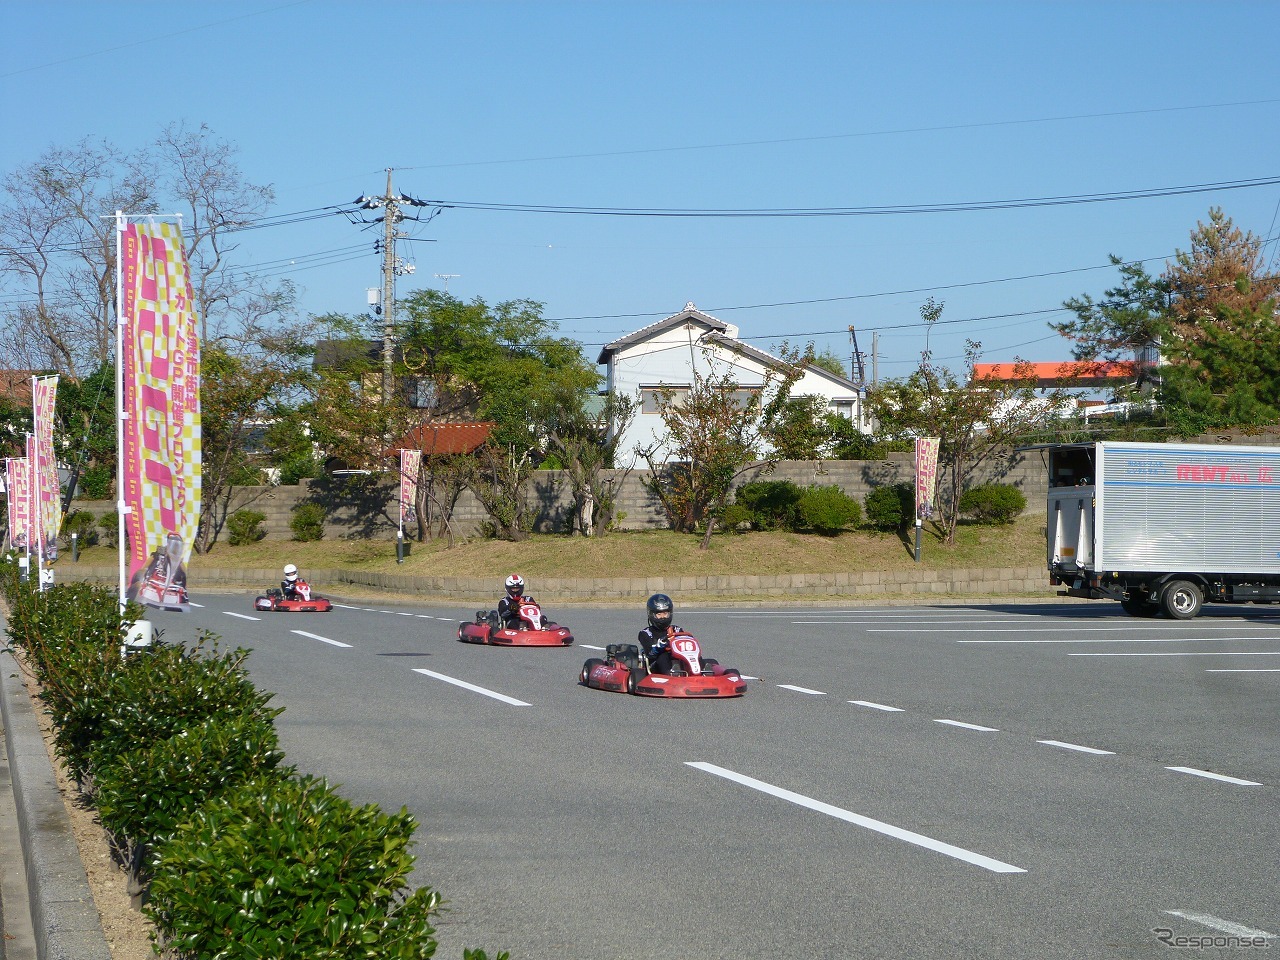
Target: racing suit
(659,659)
(509,611)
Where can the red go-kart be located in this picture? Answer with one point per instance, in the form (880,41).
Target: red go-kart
(276,602)
(534,630)
(627,670)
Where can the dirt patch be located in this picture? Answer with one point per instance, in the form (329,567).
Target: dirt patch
(127,931)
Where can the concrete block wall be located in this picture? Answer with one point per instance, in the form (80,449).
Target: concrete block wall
(370,512)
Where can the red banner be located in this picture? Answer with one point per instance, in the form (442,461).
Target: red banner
(48,516)
(410,464)
(18,493)
(926,476)
(160,468)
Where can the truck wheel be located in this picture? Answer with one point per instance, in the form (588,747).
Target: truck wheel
(1182,600)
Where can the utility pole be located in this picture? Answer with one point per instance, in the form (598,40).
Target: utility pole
(390,202)
(446,277)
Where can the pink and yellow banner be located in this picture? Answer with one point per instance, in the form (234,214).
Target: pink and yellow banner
(48,517)
(160,468)
(410,464)
(17,475)
(926,476)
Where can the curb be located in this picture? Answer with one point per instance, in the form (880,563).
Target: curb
(63,914)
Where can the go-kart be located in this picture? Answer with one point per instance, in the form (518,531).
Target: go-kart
(533,631)
(627,669)
(276,602)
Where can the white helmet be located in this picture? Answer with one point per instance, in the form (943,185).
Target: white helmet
(515,585)
(290,572)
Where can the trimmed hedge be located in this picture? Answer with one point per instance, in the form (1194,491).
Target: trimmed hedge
(891,507)
(178,751)
(993,503)
(827,510)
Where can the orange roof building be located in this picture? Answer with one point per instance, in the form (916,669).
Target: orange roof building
(1053,373)
(437,439)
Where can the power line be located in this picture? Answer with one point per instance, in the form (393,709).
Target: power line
(874,211)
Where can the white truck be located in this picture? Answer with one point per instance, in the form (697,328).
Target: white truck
(1165,527)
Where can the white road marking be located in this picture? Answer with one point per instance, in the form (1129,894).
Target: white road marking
(1245,670)
(1127,628)
(241,616)
(876,706)
(587,646)
(1205,653)
(1215,776)
(968,726)
(316,636)
(1101,640)
(472,687)
(747,676)
(1217,923)
(193,604)
(815,693)
(401,613)
(346,606)
(919,840)
(424,616)
(1075,746)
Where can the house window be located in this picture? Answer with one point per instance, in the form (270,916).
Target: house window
(651,397)
(422,393)
(742,396)
(843,408)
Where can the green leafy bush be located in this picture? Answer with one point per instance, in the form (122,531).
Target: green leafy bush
(734,516)
(146,793)
(109,525)
(308,522)
(827,510)
(993,503)
(95,482)
(245,526)
(772,503)
(285,868)
(891,507)
(80,523)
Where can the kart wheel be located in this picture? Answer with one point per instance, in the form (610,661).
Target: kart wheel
(587,668)
(634,676)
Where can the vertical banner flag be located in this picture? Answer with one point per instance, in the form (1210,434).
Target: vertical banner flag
(160,460)
(48,517)
(18,489)
(410,464)
(926,476)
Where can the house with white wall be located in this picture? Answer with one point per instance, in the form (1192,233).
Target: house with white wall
(665,356)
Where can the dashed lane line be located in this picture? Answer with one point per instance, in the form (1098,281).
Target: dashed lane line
(316,636)
(1215,776)
(471,686)
(1223,926)
(968,726)
(1188,653)
(1075,746)
(240,616)
(879,826)
(814,693)
(877,706)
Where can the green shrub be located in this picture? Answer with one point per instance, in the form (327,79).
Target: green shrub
(146,793)
(79,522)
(733,516)
(993,503)
(95,482)
(109,525)
(892,506)
(772,503)
(827,510)
(285,868)
(245,526)
(308,522)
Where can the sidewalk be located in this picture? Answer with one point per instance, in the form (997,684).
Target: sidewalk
(60,920)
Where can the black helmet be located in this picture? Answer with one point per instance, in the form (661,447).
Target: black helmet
(660,610)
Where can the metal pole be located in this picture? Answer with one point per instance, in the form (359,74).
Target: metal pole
(388,289)
(37,502)
(919,526)
(121,507)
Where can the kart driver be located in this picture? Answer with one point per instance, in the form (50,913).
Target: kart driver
(509,606)
(655,638)
(289,585)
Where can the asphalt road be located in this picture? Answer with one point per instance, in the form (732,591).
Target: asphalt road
(980,781)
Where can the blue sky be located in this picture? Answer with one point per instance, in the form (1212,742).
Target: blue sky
(710,105)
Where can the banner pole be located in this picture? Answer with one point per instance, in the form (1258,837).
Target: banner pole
(121,508)
(38,501)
